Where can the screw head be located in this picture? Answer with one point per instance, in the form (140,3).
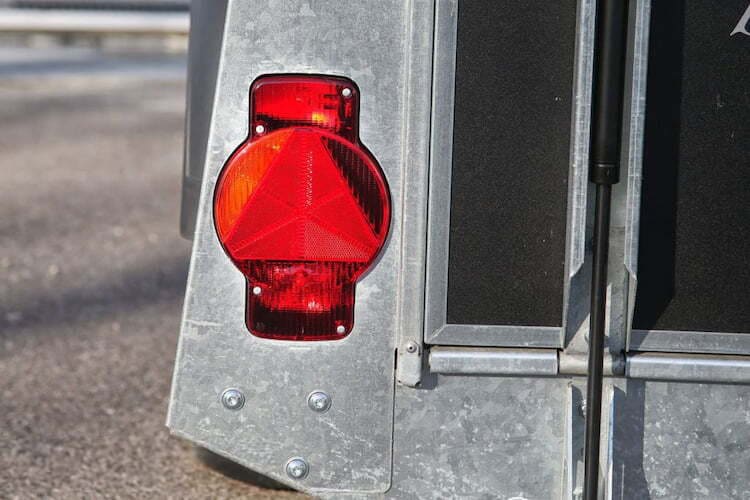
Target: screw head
(319,401)
(257,290)
(260,129)
(346,92)
(412,347)
(232,399)
(297,468)
(341,329)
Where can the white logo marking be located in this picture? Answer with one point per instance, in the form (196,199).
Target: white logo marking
(742,25)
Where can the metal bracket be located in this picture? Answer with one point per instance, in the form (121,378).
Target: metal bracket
(409,363)
(576,364)
(575,417)
(575,426)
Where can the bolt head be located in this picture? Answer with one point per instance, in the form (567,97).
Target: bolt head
(232,399)
(297,468)
(319,401)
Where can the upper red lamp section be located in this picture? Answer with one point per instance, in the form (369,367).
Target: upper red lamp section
(301,207)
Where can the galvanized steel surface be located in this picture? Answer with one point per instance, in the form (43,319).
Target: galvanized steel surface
(480,437)
(493,361)
(349,447)
(677,440)
(454,435)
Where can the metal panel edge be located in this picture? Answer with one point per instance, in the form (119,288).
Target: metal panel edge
(416,144)
(687,342)
(635,159)
(497,336)
(577,281)
(441,146)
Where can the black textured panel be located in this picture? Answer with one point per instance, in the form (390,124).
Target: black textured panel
(511,155)
(694,257)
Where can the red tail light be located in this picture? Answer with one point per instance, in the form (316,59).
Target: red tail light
(301,207)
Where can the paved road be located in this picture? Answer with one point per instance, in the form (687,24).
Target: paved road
(92,273)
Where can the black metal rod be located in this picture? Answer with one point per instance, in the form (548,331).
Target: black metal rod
(596,340)
(604,171)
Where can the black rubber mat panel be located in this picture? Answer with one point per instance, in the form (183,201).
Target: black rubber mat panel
(511,157)
(694,256)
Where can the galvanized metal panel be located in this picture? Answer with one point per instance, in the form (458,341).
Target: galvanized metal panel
(674,440)
(349,446)
(206,28)
(480,437)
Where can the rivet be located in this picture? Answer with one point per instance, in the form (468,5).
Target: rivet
(232,399)
(257,290)
(297,468)
(341,329)
(412,347)
(346,92)
(260,129)
(319,401)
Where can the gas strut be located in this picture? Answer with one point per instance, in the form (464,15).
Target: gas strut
(604,171)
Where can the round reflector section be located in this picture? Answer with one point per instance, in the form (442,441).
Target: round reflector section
(301,207)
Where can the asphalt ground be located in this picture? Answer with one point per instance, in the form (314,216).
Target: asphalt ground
(92,275)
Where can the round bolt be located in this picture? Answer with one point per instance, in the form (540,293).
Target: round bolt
(341,329)
(232,399)
(256,290)
(412,347)
(346,92)
(260,129)
(319,401)
(297,468)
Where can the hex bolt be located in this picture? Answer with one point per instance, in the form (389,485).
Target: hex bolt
(412,347)
(346,92)
(297,468)
(232,399)
(319,401)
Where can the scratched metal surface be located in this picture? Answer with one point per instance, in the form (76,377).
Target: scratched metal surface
(348,447)
(480,437)
(681,441)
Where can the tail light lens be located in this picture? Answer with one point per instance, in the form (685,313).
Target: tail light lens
(301,207)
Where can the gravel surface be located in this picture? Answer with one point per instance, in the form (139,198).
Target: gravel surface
(92,274)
